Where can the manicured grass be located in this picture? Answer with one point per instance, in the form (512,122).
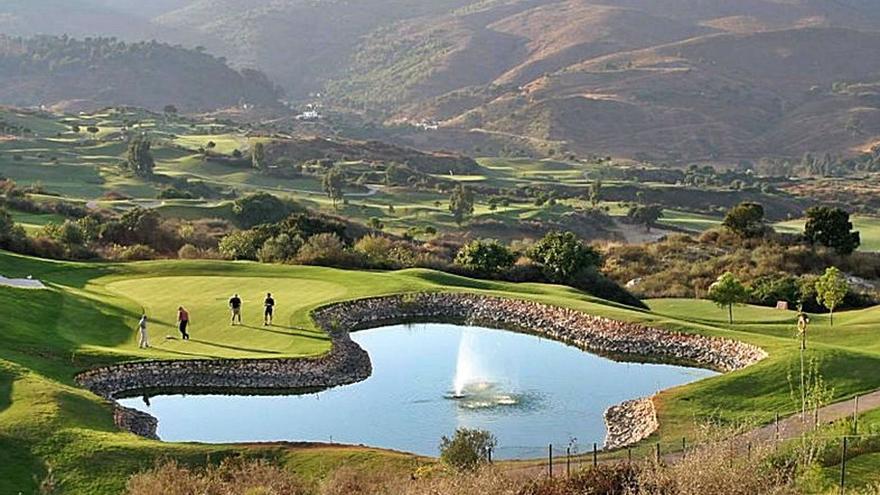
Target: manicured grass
(87,318)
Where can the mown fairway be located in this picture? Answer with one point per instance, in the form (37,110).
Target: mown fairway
(87,318)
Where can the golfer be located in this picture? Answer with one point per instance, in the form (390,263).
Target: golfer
(235,306)
(269,304)
(143,343)
(182,322)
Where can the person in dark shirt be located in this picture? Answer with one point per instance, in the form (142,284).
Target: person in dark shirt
(269,304)
(182,322)
(235,306)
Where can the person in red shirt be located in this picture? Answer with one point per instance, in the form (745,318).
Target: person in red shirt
(183,322)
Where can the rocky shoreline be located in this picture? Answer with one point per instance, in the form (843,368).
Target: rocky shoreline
(348,363)
(630,422)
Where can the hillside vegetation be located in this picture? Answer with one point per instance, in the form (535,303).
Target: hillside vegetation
(66,73)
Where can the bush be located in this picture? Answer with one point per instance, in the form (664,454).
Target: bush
(325,249)
(241,245)
(467,449)
(562,255)
(135,252)
(485,257)
(261,208)
(279,249)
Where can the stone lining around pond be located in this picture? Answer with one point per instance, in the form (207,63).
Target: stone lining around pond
(348,363)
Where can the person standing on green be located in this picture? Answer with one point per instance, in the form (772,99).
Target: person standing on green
(182,322)
(235,306)
(269,304)
(143,342)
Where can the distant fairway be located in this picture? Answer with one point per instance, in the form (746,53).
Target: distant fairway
(868,227)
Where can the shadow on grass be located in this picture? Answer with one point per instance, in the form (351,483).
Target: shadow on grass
(234,348)
(294,332)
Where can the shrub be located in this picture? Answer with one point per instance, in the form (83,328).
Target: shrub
(189,252)
(279,249)
(135,252)
(241,245)
(562,255)
(377,250)
(485,257)
(261,208)
(467,449)
(325,249)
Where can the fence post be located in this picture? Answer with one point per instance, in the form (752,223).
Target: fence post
(749,447)
(856,416)
(595,454)
(776,422)
(843,468)
(657,452)
(550,458)
(629,455)
(568,462)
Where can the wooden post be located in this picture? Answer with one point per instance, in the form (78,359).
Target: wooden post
(568,462)
(657,452)
(629,454)
(749,447)
(856,416)
(550,459)
(843,468)
(776,422)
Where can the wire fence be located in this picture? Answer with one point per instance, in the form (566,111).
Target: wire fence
(838,448)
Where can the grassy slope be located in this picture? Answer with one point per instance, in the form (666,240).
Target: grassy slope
(87,318)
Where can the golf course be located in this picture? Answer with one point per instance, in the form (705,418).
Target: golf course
(87,316)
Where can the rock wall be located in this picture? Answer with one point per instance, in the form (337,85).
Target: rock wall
(348,363)
(591,333)
(630,422)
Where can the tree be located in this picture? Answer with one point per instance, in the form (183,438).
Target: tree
(240,245)
(728,291)
(93,130)
(334,185)
(563,255)
(12,236)
(645,215)
(139,158)
(831,227)
(595,193)
(258,157)
(745,220)
(170,110)
(831,288)
(467,449)
(260,208)
(485,257)
(461,203)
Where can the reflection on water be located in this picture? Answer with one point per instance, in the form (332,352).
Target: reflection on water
(528,391)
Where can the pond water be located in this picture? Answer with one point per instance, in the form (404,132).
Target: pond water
(428,380)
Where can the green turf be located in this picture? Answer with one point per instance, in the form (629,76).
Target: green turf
(87,318)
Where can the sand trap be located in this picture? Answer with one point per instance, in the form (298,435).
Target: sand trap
(21,283)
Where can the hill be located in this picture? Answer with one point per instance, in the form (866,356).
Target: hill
(667,80)
(66,73)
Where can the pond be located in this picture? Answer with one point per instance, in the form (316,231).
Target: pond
(428,380)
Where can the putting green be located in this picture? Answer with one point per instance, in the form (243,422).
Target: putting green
(206,299)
